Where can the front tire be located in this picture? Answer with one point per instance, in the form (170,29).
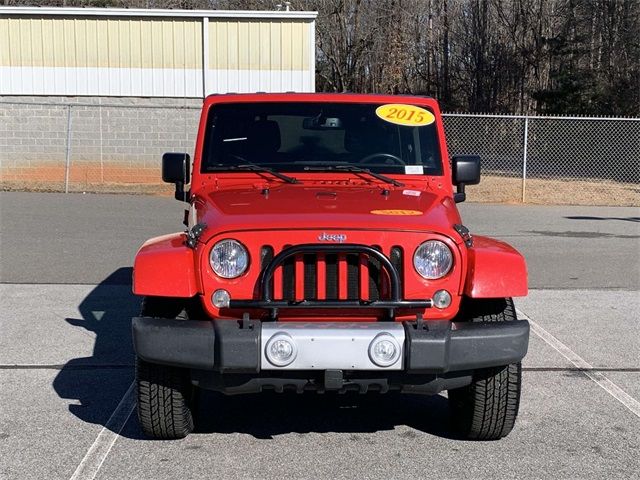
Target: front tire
(165,393)
(487,409)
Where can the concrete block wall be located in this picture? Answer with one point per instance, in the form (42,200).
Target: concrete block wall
(115,143)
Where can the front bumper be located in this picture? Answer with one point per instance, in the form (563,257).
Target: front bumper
(237,347)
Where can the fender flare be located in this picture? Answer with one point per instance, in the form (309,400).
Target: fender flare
(495,270)
(165,267)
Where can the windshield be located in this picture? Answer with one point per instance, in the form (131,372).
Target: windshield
(298,137)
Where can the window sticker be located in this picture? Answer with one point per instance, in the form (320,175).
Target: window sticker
(413,169)
(396,212)
(402,114)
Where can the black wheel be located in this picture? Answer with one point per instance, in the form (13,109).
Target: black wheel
(487,409)
(165,393)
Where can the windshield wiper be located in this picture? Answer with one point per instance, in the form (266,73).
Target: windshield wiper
(353,168)
(252,167)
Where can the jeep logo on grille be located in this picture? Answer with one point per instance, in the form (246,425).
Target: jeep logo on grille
(332,237)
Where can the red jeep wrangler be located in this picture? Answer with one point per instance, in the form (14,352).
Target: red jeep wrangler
(324,252)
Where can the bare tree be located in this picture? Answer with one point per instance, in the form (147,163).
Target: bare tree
(521,56)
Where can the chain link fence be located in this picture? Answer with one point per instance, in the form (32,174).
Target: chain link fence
(91,148)
(551,160)
(117,148)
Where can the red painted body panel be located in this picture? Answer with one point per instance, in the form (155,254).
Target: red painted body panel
(164,266)
(235,205)
(495,270)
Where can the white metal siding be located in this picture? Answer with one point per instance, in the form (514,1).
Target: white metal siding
(154,53)
(262,55)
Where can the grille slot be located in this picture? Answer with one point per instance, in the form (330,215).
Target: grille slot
(353,277)
(289,278)
(310,276)
(266,255)
(396,261)
(374,277)
(331,261)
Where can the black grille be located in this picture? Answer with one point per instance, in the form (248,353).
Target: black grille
(396,261)
(310,277)
(331,262)
(332,288)
(266,255)
(353,277)
(374,277)
(289,279)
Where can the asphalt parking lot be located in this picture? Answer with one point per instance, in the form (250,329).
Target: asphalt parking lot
(66,361)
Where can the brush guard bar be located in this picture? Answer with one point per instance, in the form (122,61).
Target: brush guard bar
(267,301)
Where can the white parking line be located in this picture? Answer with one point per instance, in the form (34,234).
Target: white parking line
(611,388)
(99,450)
(97,453)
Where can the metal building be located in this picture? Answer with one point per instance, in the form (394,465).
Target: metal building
(154,53)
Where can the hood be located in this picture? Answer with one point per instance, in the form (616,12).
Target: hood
(292,207)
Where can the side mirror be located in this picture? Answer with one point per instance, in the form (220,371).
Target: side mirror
(176,168)
(465,170)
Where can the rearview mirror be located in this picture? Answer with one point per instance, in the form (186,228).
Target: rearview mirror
(322,123)
(465,170)
(176,168)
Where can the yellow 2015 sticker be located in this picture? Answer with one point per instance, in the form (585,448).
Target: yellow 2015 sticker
(396,212)
(402,114)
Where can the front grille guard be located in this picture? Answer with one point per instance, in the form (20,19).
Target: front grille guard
(267,301)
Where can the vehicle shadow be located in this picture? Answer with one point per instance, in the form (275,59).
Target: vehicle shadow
(96,383)
(267,415)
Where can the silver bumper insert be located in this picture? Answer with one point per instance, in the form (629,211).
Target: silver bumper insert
(338,345)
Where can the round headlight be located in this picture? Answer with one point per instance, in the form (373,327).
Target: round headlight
(433,259)
(229,258)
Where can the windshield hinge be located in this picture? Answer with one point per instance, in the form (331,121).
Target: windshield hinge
(194,234)
(465,234)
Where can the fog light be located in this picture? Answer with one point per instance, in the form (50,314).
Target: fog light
(220,299)
(441,299)
(281,350)
(384,350)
